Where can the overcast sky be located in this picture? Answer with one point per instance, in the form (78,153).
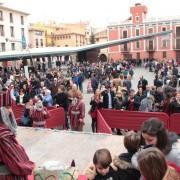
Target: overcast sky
(98,12)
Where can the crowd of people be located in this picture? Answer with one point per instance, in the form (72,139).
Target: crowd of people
(111,84)
(111,87)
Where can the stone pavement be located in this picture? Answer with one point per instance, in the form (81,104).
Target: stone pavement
(137,73)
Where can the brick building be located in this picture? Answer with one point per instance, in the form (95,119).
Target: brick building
(166,47)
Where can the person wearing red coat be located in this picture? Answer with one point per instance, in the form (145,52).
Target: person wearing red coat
(76,112)
(14,162)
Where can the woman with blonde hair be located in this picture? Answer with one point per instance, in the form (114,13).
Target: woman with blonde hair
(96,103)
(153,166)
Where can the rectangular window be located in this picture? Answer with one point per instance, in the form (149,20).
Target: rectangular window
(164,54)
(177,31)
(12,31)
(150,30)
(11,17)
(22,20)
(164,43)
(125,47)
(39,33)
(164,29)
(1,30)
(177,43)
(124,34)
(12,46)
(41,42)
(151,47)
(137,19)
(137,32)
(3,47)
(37,43)
(137,44)
(22,32)
(1,15)
(138,55)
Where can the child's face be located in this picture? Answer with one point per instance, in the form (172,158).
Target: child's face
(101,170)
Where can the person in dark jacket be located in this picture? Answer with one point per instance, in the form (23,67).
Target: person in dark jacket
(123,161)
(174,106)
(118,100)
(108,97)
(96,103)
(22,98)
(102,168)
(94,83)
(142,83)
(61,100)
(157,82)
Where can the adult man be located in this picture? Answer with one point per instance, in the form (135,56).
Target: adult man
(108,97)
(142,83)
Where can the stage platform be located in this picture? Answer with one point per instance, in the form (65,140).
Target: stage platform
(44,145)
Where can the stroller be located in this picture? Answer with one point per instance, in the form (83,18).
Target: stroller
(89,87)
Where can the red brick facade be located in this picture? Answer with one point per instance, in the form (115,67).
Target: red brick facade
(167,47)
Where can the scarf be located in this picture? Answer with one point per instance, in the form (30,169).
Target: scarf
(8,120)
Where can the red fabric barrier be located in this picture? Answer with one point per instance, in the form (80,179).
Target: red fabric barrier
(131,119)
(51,107)
(102,126)
(56,118)
(174,123)
(18,111)
(5,98)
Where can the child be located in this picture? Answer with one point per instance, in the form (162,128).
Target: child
(102,170)
(123,162)
(153,165)
(39,114)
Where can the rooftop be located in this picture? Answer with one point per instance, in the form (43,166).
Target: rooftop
(11,9)
(148,20)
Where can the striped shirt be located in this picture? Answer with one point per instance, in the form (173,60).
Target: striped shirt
(39,117)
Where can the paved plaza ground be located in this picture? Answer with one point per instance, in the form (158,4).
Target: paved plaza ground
(137,73)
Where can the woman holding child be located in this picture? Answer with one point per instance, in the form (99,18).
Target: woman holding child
(154,134)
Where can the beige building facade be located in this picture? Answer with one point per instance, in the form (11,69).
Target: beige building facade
(13,29)
(36,38)
(64,34)
(100,35)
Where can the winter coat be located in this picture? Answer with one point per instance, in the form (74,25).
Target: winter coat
(123,163)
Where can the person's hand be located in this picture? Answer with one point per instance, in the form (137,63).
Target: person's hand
(44,112)
(56,105)
(80,120)
(10,110)
(90,172)
(117,163)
